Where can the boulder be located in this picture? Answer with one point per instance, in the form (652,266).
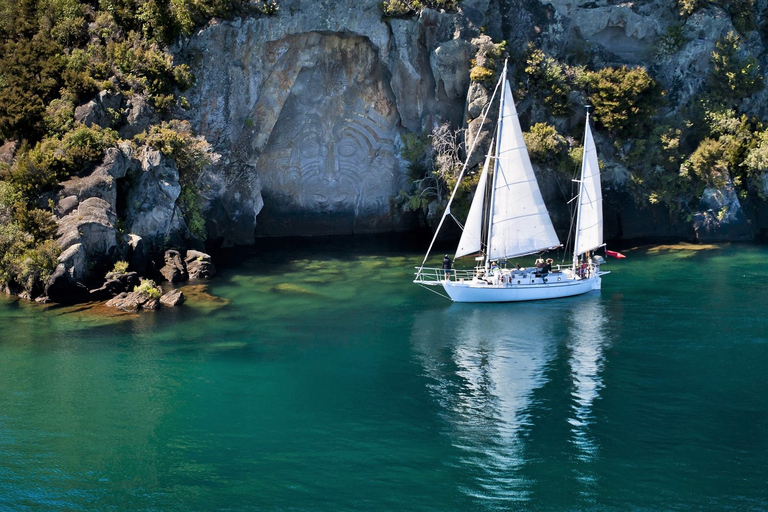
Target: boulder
(172,298)
(174,270)
(141,115)
(103,110)
(199,265)
(133,302)
(8,151)
(721,217)
(115,284)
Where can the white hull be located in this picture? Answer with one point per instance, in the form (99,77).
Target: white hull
(479,291)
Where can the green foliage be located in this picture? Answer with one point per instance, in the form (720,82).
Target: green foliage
(734,76)
(121,267)
(672,41)
(625,99)
(149,288)
(27,252)
(483,75)
(30,77)
(549,78)
(146,68)
(401,8)
(545,145)
(688,7)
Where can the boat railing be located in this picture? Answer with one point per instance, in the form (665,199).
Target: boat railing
(435,275)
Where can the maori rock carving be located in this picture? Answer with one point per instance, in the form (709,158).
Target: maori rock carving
(324,142)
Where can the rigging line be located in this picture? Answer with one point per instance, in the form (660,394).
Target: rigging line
(461,174)
(429,288)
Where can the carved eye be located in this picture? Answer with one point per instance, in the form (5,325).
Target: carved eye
(310,150)
(346,149)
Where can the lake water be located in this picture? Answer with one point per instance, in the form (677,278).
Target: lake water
(323,379)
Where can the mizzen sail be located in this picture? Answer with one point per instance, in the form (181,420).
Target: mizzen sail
(589,227)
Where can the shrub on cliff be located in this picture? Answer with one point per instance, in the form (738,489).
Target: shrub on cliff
(625,99)
(549,79)
(52,160)
(734,76)
(400,8)
(192,155)
(27,252)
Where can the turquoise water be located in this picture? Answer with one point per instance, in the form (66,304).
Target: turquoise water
(323,379)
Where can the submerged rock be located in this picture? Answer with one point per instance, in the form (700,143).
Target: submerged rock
(172,298)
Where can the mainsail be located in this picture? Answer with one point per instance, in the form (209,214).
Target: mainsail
(520,223)
(589,222)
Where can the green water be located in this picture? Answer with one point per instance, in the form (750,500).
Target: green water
(323,379)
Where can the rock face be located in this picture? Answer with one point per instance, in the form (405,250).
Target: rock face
(308,108)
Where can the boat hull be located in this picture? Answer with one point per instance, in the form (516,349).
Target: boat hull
(477,291)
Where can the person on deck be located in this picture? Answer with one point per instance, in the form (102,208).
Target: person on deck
(447,267)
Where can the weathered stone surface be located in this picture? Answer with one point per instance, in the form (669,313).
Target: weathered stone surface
(199,265)
(172,298)
(133,302)
(104,110)
(720,217)
(151,210)
(312,110)
(101,183)
(141,115)
(115,284)
(8,151)
(174,270)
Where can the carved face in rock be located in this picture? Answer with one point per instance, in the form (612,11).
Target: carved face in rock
(331,149)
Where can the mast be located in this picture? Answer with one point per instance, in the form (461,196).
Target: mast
(495,166)
(461,175)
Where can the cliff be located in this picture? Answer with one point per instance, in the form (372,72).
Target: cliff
(308,107)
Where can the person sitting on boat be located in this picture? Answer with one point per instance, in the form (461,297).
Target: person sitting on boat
(539,263)
(548,265)
(447,267)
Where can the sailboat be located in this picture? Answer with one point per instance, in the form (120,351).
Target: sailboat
(508,219)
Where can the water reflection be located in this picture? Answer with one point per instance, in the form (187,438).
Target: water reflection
(496,373)
(587,341)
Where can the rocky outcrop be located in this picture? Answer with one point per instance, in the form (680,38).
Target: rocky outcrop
(172,298)
(199,265)
(133,302)
(174,270)
(721,217)
(104,110)
(115,284)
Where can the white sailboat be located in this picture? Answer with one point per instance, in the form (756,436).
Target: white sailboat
(511,221)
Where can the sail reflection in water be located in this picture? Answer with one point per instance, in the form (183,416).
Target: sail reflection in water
(488,366)
(587,342)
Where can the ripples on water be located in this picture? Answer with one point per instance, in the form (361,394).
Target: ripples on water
(322,379)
